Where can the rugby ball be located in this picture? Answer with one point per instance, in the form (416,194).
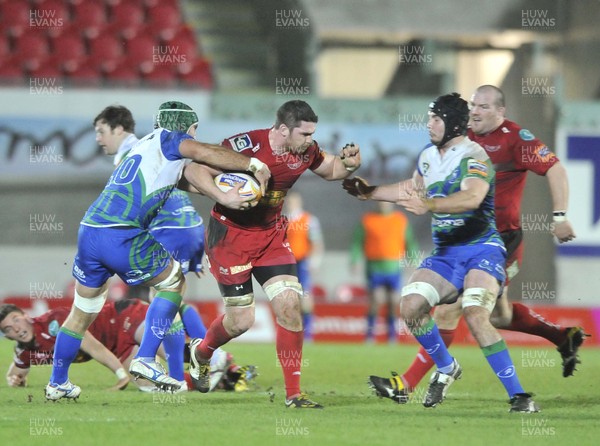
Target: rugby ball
(249,190)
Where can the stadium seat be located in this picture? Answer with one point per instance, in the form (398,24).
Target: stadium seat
(161,76)
(165,20)
(141,52)
(49,69)
(351,294)
(185,46)
(106,52)
(10,72)
(124,75)
(153,3)
(69,49)
(4,46)
(196,74)
(90,17)
(85,76)
(31,49)
(14,17)
(127,19)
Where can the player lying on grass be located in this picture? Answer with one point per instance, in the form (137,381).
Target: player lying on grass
(112,340)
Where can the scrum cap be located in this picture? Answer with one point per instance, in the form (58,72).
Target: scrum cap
(175,115)
(454,111)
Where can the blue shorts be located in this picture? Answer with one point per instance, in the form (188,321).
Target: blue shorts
(391,281)
(303,272)
(186,245)
(454,262)
(131,253)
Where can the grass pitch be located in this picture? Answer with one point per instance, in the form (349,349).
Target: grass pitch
(475,411)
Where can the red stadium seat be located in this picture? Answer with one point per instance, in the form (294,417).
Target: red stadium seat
(10,72)
(86,76)
(143,51)
(125,75)
(165,20)
(70,50)
(196,74)
(15,17)
(31,49)
(351,294)
(49,69)
(106,52)
(91,18)
(127,20)
(162,76)
(4,47)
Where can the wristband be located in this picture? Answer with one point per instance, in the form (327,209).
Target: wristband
(429,204)
(255,165)
(559,216)
(121,373)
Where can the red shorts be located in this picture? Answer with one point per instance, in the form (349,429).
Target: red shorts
(513,240)
(233,252)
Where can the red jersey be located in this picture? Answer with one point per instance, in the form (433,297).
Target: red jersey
(285,169)
(106,329)
(513,151)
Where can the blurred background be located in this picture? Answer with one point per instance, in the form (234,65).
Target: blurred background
(369,69)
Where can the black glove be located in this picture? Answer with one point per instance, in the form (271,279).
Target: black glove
(358,187)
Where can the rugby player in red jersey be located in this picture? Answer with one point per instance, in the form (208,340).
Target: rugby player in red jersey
(245,243)
(514,151)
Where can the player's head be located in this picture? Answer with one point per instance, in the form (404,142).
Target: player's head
(296,123)
(15,324)
(487,109)
(112,126)
(177,116)
(453,111)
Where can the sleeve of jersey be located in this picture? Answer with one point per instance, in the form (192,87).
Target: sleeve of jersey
(533,155)
(318,156)
(22,359)
(169,144)
(481,169)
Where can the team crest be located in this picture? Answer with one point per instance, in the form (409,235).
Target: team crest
(241,142)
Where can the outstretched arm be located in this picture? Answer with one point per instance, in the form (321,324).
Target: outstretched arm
(16,377)
(338,167)
(104,356)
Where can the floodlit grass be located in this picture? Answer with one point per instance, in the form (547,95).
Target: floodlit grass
(475,412)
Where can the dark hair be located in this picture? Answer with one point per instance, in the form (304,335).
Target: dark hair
(293,112)
(6,309)
(115,115)
(499,102)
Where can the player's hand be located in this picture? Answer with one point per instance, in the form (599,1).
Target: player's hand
(121,384)
(350,156)
(261,172)
(16,380)
(563,231)
(358,187)
(414,203)
(232,200)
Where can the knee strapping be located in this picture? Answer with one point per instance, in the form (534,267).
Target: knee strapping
(247,300)
(479,297)
(173,281)
(277,288)
(424,289)
(90,305)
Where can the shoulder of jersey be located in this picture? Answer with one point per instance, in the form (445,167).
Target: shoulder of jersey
(246,141)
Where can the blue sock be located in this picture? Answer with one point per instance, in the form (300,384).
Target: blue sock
(371,326)
(174,343)
(307,323)
(65,350)
(391,328)
(192,322)
(429,337)
(499,359)
(159,318)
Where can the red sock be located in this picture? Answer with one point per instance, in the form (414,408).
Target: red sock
(528,321)
(289,353)
(188,380)
(423,362)
(216,336)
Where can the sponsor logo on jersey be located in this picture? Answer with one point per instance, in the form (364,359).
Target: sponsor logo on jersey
(491,148)
(526,135)
(454,222)
(223,271)
(256,148)
(241,142)
(240,268)
(78,272)
(53,328)
(136,276)
(544,153)
(475,167)
(505,130)
(454,176)
(507,372)
(425,168)
(485,264)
